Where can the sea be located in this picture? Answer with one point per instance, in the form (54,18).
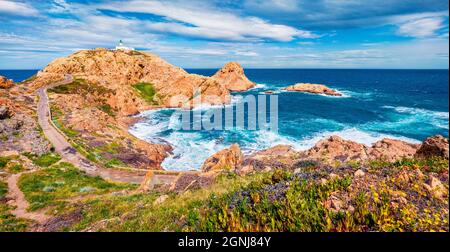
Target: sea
(402,104)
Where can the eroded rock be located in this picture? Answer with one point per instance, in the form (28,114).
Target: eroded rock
(232,77)
(434,146)
(313,89)
(228,159)
(392,150)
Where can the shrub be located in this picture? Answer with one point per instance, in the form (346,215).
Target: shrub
(146,91)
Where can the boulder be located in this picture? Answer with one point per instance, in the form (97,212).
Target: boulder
(313,89)
(433,146)
(279,156)
(5,83)
(392,150)
(227,159)
(191,181)
(5,112)
(435,187)
(360,173)
(335,148)
(232,77)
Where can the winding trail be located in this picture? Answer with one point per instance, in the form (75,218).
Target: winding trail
(68,153)
(17,200)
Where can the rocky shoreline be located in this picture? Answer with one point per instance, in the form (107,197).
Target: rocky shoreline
(337,185)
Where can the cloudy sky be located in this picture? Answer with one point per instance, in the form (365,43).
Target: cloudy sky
(257,33)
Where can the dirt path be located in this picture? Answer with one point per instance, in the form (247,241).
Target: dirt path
(68,153)
(17,200)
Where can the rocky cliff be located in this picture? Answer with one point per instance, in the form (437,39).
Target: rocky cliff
(232,76)
(170,86)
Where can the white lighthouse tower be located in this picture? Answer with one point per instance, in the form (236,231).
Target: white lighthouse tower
(121,46)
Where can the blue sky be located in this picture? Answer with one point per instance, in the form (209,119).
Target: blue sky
(256,33)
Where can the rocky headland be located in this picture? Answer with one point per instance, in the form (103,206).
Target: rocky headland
(110,86)
(313,89)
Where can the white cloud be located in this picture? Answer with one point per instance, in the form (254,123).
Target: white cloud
(420,28)
(17,8)
(207,22)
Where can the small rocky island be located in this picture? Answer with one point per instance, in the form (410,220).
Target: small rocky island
(313,89)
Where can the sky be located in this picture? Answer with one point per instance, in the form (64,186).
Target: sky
(256,33)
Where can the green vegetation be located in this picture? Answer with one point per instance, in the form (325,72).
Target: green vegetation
(32,78)
(96,154)
(299,210)
(4,161)
(387,198)
(137,212)
(55,185)
(434,164)
(81,87)
(146,91)
(57,114)
(114,163)
(107,109)
(44,160)
(134,53)
(8,222)
(10,165)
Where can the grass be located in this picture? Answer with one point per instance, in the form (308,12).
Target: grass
(434,164)
(146,91)
(44,160)
(4,161)
(282,201)
(143,215)
(32,78)
(8,222)
(93,154)
(298,208)
(55,185)
(107,109)
(56,118)
(114,163)
(81,87)
(10,165)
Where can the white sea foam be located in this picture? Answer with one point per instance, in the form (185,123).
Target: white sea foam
(436,118)
(259,86)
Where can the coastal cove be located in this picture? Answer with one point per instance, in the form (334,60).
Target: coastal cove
(409,105)
(402,104)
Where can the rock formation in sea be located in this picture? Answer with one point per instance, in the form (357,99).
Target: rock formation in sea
(313,88)
(232,76)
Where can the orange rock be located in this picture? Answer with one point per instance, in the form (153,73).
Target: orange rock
(119,70)
(232,77)
(227,159)
(5,83)
(434,146)
(336,148)
(392,150)
(313,88)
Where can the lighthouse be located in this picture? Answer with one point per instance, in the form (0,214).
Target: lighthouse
(121,46)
